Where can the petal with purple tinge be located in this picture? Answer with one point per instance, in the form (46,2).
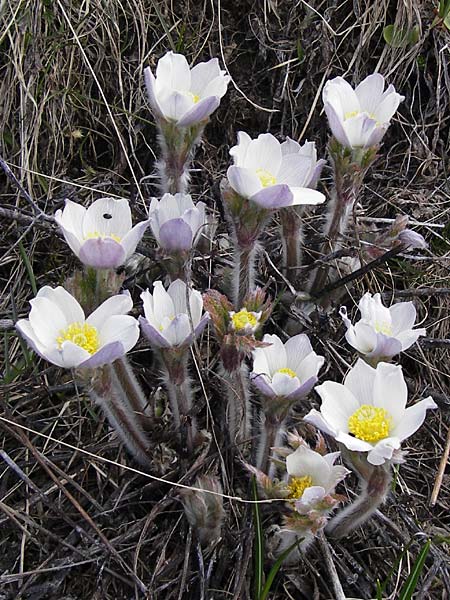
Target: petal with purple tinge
(199,112)
(386,347)
(263,384)
(314,417)
(105,356)
(175,235)
(150,84)
(273,197)
(201,325)
(336,126)
(102,253)
(243,181)
(303,390)
(154,336)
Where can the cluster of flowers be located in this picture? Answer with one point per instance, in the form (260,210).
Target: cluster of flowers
(366,414)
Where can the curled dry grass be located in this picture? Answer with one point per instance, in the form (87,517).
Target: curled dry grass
(75,123)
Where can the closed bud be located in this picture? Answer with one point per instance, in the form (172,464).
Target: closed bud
(204,510)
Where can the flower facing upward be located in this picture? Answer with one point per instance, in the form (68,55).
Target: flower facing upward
(312,477)
(182,95)
(382,332)
(368,412)
(176,221)
(274,175)
(167,321)
(286,370)
(245,322)
(360,117)
(59,332)
(101,236)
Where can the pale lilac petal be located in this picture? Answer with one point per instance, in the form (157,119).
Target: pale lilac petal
(376,135)
(243,181)
(105,356)
(150,84)
(390,391)
(133,237)
(273,197)
(178,290)
(179,331)
(120,304)
(102,253)
(283,384)
(155,337)
(358,129)
(198,329)
(175,235)
(295,170)
(383,451)
(338,404)
(108,216)
(336,126)
(310,367)
(175,104)
(413,418)
(386,110)
(290,147)
(315,174)
(199,112)
(386,347)
(217,87)
(263,384)
(303,390)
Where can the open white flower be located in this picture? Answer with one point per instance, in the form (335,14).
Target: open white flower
(382,332)
(274,175)
(286,370)
(101,236)
(183,95)
(360,117)
(245,322)
(368,412)
(167,322)
(176,221)
(59,332)
(312,477)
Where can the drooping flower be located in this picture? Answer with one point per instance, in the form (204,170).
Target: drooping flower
(312,478)
(382,332)
(176,221)
(286,370)
(101,236)
(360,117)
(368,412)
(58,330)
(167,321)
(274,175)
(183,95)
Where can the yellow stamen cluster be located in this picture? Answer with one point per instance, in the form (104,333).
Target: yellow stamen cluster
(96,234)
(383,327)
(288,371)
(81,334)
(370,423)
(265,177)
(297,485)
(243,318)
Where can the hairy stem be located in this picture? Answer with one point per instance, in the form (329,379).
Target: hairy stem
(243,272)
(133,390)
(238,404)
(291,231)
(374,490)
(270,434)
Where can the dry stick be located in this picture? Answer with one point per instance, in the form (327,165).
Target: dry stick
(324,546)
(441,471)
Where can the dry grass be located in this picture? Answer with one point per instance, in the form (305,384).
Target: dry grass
(75,123)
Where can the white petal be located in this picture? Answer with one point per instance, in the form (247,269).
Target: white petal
(413,417)
(68,305)
(71,218)
(360,381)
(264,153)
(390,391)
(383,451)
(338,473)
(243,181)
(297,348)
(260,364)
(359,129)
(408,338)
(283,384)
(373,310)
(133,237)
(290,147)
(362,337)
(196,306)
(108,216)
(403,316)
(47,320)
(341,95)
(306,196)
(120,304)
(178,292)
(202,75)
(175,104)
(275,353)
(239,152)
(216,87)
(353,443)
(370,92)
(172,73)
(162,302)
(178,330)
(73,355)
(310,366)
(386,110)
(305,461)
(120,328)
(316,418)
(295,170)
(147,300)
(338,404)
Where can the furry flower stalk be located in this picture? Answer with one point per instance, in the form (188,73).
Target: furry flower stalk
(283,374)
(367,415)
(265,176)
(235,332)
(307,483)
(173,319)
(182,100)
(177,224)
(358,119)
(59,332)
(203,506)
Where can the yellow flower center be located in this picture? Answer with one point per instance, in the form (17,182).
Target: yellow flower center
(194,97)
(370,423)
(81,334)
(243,318)
(288,371)
(298,485)
(96,234)
(383,327)
(171,317)
(265,177)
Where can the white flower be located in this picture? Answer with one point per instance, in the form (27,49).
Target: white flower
(382,332)
(286,370)
(101,236)
(167,322)
(183,95)
(361,116)
(245,322)
(368,412)
(176,221)
(59,332)
(274,175)
(312,477)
